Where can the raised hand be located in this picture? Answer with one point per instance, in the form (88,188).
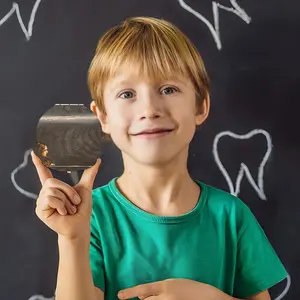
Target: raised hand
(63,208)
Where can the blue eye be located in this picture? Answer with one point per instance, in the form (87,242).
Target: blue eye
(169,90)
(127,95)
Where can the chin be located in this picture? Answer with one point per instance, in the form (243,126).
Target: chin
(156,158)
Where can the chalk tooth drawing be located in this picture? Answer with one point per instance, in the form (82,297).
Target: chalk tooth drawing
(215,29)
(16,170)
(244,170)
(285,291)
(40,297)
(16,9)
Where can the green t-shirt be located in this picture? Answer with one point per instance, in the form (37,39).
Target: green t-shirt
(219,242)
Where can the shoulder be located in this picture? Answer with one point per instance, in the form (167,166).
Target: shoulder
(105,193)
(220,199)
(226,208)
(104,200)
(101,193)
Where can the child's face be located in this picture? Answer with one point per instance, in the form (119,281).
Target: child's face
(135,104)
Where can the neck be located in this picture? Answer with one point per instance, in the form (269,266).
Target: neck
(164,189)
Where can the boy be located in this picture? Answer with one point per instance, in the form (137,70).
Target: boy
(153,233)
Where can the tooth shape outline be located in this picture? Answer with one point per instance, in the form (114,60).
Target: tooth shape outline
(285,291)
(40,297)
(244,170)
(215,30)
(15,8)
(16,170)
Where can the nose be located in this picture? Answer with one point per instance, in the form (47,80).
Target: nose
(151,106)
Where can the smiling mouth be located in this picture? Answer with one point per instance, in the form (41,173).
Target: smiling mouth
(154,133)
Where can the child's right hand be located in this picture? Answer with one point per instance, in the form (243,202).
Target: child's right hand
(63,208)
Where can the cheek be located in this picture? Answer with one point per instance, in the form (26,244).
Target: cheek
(187,125)
(119,131)
(119,123)
(185,114)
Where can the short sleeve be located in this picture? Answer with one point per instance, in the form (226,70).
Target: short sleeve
(258,267)
(96,255)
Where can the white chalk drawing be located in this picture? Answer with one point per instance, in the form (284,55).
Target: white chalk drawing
(16,170)
(215,29)
(74,176)
(16,9)
(29,195)
(285,291)
(40,297)
(244,170)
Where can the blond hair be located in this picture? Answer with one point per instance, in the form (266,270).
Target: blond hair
(159,48)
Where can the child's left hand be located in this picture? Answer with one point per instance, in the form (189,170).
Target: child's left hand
(174,289)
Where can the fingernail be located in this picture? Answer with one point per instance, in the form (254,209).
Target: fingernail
(120,295)
(77,199)
(73,209)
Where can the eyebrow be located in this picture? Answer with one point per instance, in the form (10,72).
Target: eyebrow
(176,79)
(118,84)
(126,82)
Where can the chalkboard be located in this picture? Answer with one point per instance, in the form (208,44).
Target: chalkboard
(249,146)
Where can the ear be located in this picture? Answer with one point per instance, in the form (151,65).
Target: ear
(102,117)
(202,113)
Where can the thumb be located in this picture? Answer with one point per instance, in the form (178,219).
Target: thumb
(88,176)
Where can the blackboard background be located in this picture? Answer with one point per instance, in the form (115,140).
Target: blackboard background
(255,81)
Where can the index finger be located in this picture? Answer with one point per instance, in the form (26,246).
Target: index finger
(142,290)
(43,172)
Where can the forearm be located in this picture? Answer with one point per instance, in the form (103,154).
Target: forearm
(233,298)
(74,279)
